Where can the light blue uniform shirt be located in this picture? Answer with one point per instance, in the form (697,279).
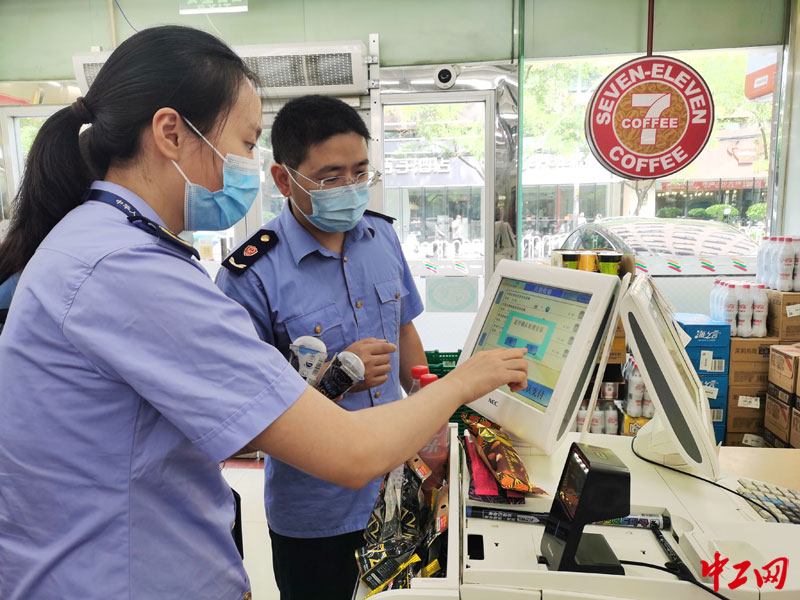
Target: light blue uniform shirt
(125,377)
(7,290)
(300,288)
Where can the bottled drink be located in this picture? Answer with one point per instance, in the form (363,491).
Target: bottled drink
(648,410)
(609,390)
(785,266)
(712,302)
(598,420)
(611,418)
(635,392)
(434,453)
(582,416)
(772,259)
(416,373)
(731,303)
(719,300)
(796,275)
(744,321)
(760,304)
(760,265)
(768,260)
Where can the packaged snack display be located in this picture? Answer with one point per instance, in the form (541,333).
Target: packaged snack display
(483,486)
(499,455)
(403,537)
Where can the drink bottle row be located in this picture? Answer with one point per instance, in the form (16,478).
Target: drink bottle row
(743,305)
(778,263)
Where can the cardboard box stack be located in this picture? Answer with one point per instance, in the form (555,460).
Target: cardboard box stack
(782,404)
(747,393)
(783,316)
(709,350)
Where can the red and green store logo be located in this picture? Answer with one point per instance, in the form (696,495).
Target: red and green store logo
(649,118)
(707,265)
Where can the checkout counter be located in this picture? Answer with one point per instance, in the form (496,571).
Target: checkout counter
(566,320)
(493,559)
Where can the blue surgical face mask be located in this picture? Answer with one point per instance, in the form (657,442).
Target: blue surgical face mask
(204,210)
(337,209)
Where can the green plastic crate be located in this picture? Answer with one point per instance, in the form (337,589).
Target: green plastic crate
(448,359)
(440,364)
(456,418)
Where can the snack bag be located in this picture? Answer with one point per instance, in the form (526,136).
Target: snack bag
(413,512)
(384,521)
(433,547)
(482,483)
(499,455)
(380,564)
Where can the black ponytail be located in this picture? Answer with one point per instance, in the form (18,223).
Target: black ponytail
(54,178)
(171,66)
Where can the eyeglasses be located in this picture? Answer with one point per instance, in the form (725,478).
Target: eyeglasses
(370,177)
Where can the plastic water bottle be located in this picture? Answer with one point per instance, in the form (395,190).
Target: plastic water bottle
(731,303)
(712,302)
(760,307)
(598,420)
(774,271)
(769,262)
(648,410)
(611,418)
(635,392)
(719,300)
(785,265)
(760,264)
(796,276)
(744,321)
(582,411)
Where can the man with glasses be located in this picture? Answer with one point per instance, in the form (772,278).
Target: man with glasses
(336,272)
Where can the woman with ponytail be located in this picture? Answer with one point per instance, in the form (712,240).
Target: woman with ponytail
(126,376)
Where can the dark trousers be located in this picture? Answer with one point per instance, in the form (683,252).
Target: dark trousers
(311,568)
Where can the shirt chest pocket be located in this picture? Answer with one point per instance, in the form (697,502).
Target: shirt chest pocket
(324,323)
(390,295)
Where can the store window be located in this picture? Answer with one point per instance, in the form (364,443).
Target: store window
(434,173)
(564,187)
(434,182)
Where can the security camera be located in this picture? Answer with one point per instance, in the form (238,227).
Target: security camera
(445,77)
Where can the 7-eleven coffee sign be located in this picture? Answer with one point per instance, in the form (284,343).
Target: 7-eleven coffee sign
(650,118)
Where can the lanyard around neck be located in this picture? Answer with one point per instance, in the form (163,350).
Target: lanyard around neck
(140,221)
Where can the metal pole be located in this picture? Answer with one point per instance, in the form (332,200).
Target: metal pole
(650,11)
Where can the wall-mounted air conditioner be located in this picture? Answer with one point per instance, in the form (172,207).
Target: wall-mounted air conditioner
(286,71)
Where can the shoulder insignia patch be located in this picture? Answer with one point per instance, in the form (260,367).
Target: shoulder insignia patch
(248,253)
(380,215)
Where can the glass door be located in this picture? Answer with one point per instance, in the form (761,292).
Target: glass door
(435,184)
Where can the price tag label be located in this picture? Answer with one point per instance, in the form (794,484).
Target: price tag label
(712,392)
(749,402)
(751,439)
(793,310)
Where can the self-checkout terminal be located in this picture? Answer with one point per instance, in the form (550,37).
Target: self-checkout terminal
(563,318)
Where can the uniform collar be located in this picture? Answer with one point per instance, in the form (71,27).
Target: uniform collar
(140,205)
(301,243)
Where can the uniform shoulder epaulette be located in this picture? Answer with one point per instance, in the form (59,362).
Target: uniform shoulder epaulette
(380,215)
(165,234)
(248,253)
